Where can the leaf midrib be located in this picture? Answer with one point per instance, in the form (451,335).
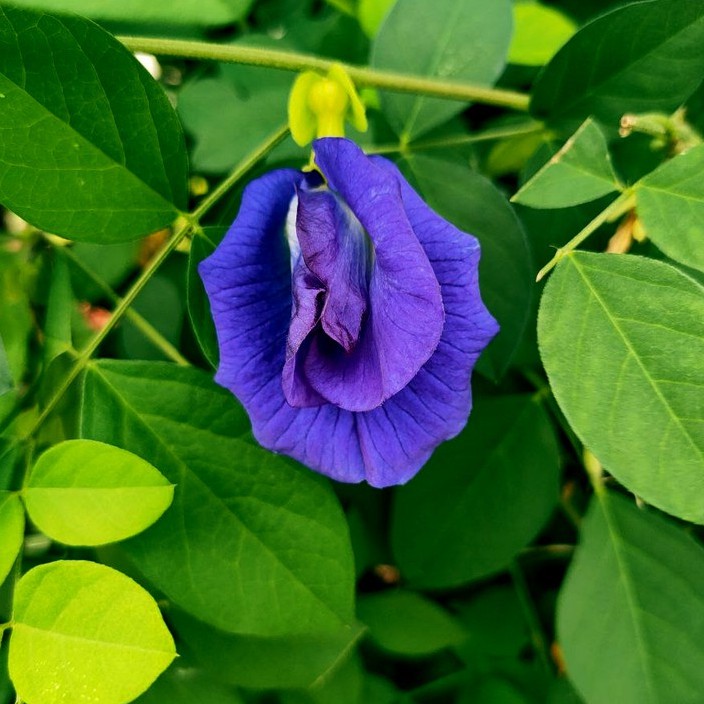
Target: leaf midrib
(184,469)
(634,354)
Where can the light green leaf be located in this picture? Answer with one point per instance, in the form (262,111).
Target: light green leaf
(631,612)
(82,492)
(98,636)
(481,498)
(463,40)
(11,531)
(371,14)
(91,147)
(670,204)
(539,33)
(6,381)
(57,327)
(475,205)
(622,340)
(580,172)
(200,13)
(405,623)
(249,534)
(646,56)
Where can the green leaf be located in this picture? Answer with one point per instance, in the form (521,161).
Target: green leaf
(462,40)
(631,611)
(473,204)
(57,327)
(371,14)
(82,492)
(646,56)
(580,172)
(408,624)
(200,13)
(670,204)
(622,340)
(91,147)
(97,635)
(188,685)
(11,531)
(539,32)
(232,113)
(198,305)
(249,535)
(267,663)
(481,498)
(6,381)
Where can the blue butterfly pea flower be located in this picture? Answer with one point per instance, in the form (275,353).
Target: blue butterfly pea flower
(348,316)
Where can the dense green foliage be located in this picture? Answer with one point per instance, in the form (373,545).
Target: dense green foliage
(551,552)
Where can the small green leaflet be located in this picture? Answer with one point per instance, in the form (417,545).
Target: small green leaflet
(580,172)
(622,340)
(11,531)
(98,636)
(670,204)
(82,492)
(631,611)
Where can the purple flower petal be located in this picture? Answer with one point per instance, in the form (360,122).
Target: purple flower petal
(248,280)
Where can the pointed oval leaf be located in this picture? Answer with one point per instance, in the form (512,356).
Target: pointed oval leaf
(82,492)
(483,497)
(91,148)
(475,205)
(199,13)
(622,340)
(670,204)
(406,623)
(11,531)
(539,32)
(580,172)
(630,615)
(98,636)
(644,57)
(252,544)
(464,40)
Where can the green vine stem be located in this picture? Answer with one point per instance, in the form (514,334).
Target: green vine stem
(361,75)
(191,224)
(621,205)
(518,130)
(141,323)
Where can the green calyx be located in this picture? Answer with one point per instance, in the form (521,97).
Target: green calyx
(319,106)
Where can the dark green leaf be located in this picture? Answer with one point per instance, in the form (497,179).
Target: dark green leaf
(481,497)
(408,624)
(57,326)
(670,204)
(631,612)
(198,304)
(622,340)
(189,12)
(91,147)
(474,205)
(450,39)
(252,544)
(580,172)
(188,685)
(232,113)
(262,663)
(646,56)
(6,382)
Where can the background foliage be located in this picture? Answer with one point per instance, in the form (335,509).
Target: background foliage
(550,553)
